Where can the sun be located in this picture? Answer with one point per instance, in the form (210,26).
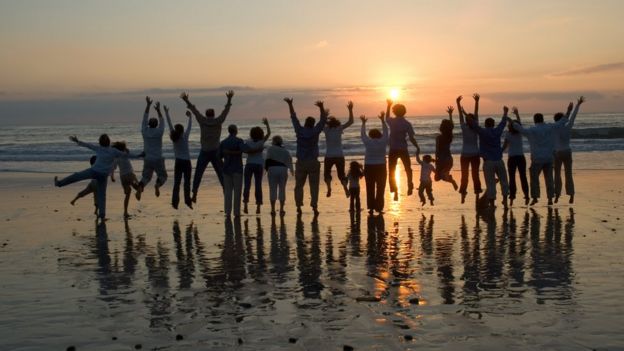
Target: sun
(394,93)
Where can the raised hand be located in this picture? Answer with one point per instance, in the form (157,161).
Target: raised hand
(73,138)
(350,105)
(229,94)
(389,102)
(381,116)
(450,110)
(184,96)
(188,114)
(476,97)
(148,100)
(166,109)
(265,121)
(505,110)
(515,111)
(580,100)
(459,99)
(320,104)
(363,118)
(288,100)
(157,106)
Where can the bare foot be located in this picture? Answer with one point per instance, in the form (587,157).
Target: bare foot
(72,202)
(56,182)
(431,202)
(454,184)
(534,201)
(299,209)
(328,193)
(550,202)
(463,197)
(194,198)
(556,198)
(157,191)
(245,208)
(396,196)
(571,199)
(511,202)
(422,203)
(526,201)
(410,189)
(258,209)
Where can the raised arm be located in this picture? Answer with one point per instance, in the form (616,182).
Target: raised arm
(460,110)
(265,121)
(501,125)
(161,121)
(168,118)
(187,132)
(572,118)
(226,110)
(389,103)
(350,121)
(293,115)
(476,98)
(363,134)
(418,159)
(516,113)
(185,97)
(83,144)
(450,110)
(318,128)
(384,127)
(148,104)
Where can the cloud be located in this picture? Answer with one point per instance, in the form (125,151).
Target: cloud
(544,95)
(321,44)
(165,91)
(607,67)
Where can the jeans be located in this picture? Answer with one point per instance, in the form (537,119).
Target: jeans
(354,199)
(564,158)
(328,163)
(256,171)
(492,169)
(277,176)
(517,163)
(536,168)
(203,159)
(393,156)
(154,165)
(232,186)
(470,162)
(303,170)
(181,169)
(101,179)
(375,178)
(425,186)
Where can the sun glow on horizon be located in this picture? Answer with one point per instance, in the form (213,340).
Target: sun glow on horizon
(394,93)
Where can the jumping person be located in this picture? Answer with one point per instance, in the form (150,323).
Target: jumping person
(563,152)
(152,130)
(126,174)
(356,172)
(469,158)
(333,154)
(400,129)
(492,153)
(277,163)
(255,163)
(231,150)
(210,129)
(426,185)
(182,167)
(515,160)
(444,159)
(375,174)
(91,188)
(100,170)
(307,154)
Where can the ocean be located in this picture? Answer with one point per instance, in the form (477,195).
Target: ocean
(46,148)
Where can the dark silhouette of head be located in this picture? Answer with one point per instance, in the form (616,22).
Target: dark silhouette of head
(489,123)
(469,118)
(538,118)
(355,168)
(277,140)
(558,116)
(233,129)
(120,145)
(427,159)
(333,122)
(92,160)
(309,122)
(176,133)
(375,133)
(104,140)
(210,113)
(399,110)
(256,134)
(446,127)
(513,130)
(152,123)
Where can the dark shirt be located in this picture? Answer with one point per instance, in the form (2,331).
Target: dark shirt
(443,147)
(232,163)
(308,138)
(490,140)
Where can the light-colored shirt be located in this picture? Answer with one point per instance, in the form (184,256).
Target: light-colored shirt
(281,155)
(152,138)
(124,165)
(375,149)
(105,157)
(562,135)
(514,144)
(255,158)
(470,141)
(540,139)
(333,141)
(181,146)
(400,129)
(426,169)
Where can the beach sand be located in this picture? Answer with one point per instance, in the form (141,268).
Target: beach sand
(417,278)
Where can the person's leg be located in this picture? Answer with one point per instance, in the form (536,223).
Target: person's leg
(228,192)
(126,184)
(512,165)
(489,171)
(421,192)
(569,180)
(351,200)
(429,189)
(217,164)
(550,182)
(407,165)
(101,193)
(258,174)
(475,161)
(315,178)
(393,156)
(161,175)
(247,174)
(501,172)
(272,178)
(557,176)
(356,194)
(177,179)
(282,180)
(301,175)
(200,167)
(84,192)
(534,172)
(238,187)
(342,176)
(328,162)
(369,180)
(76,177)
(380,191)
(464,163)
(148,171)
(523,178)
(186,176)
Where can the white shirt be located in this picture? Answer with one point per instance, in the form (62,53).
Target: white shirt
(562,135)
(540,139)
(375,149)
(470,141)
(105,157)
(152,138)
(255,158)
(425,171)
(333,141)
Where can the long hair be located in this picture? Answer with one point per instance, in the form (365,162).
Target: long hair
(176,133)
(446,128)
(256,134)
(356,169)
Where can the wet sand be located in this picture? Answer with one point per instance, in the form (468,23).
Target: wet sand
(417,278)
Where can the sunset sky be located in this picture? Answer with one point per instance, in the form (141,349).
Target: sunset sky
(71,61)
